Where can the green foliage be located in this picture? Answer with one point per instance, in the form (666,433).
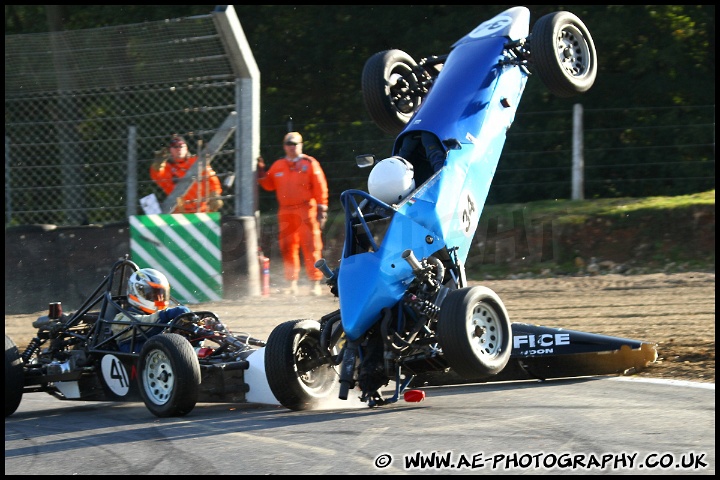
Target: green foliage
(574,211)
(311,58)
(662,233)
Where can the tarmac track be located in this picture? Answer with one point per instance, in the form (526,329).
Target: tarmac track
(498,428)
(524,427)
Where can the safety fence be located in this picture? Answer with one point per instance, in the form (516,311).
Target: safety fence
(87,112)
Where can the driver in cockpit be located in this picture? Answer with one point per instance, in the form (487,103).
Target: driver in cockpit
(149,297)
(394,178)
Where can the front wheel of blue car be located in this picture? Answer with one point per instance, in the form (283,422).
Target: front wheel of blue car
(391,90)
(563,54)
(169,375)
(299,371)
(475,332)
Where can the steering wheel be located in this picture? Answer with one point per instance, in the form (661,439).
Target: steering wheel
(184,320)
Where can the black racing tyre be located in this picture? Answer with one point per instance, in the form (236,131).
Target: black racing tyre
(563,54)
(290,352)
(169,375)
(386,87)
(14,377)
(475,333)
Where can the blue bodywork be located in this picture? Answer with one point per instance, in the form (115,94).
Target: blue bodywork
(471,106)
(407,312)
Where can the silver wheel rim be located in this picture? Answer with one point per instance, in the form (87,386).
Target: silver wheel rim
(158,378)
(485,331)
(573,52)
(399,90)
(316,381)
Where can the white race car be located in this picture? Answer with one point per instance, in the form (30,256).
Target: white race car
(88,355)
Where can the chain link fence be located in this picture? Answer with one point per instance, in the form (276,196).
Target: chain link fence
(86,111)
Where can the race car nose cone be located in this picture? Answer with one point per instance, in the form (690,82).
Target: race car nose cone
(414,396)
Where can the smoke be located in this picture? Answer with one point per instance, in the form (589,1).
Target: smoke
(332,402)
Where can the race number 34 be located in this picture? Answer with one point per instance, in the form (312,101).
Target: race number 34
(469,215)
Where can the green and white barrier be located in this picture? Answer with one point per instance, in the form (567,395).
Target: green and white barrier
(186,248)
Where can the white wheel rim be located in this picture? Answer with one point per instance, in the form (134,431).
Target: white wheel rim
(573,52)
(158,378)
(485,331)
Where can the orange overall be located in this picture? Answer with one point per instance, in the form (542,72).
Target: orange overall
(300,187)
(196,198)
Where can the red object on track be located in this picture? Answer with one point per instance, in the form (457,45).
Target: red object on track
(414,396)
(265,270)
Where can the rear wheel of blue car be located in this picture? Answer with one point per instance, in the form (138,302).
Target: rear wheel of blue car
(474,332)
(296,365)
(563,54)
(389,88)
(169,375)
(14,377)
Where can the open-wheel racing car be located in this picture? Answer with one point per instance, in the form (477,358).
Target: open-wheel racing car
(406,311)
(91,355)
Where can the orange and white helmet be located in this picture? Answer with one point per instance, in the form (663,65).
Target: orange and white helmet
(391,180)
(149,290)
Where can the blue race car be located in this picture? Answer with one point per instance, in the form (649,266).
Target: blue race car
(407,314)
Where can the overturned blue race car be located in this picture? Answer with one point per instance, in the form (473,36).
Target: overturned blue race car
(407,316)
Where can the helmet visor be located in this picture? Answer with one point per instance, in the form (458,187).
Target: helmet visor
(157,293)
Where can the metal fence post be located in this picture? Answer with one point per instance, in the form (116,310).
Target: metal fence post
(8,197)
(578,162)
(132,172)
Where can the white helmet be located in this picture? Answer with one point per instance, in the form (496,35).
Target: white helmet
(391,180)
(149,290)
